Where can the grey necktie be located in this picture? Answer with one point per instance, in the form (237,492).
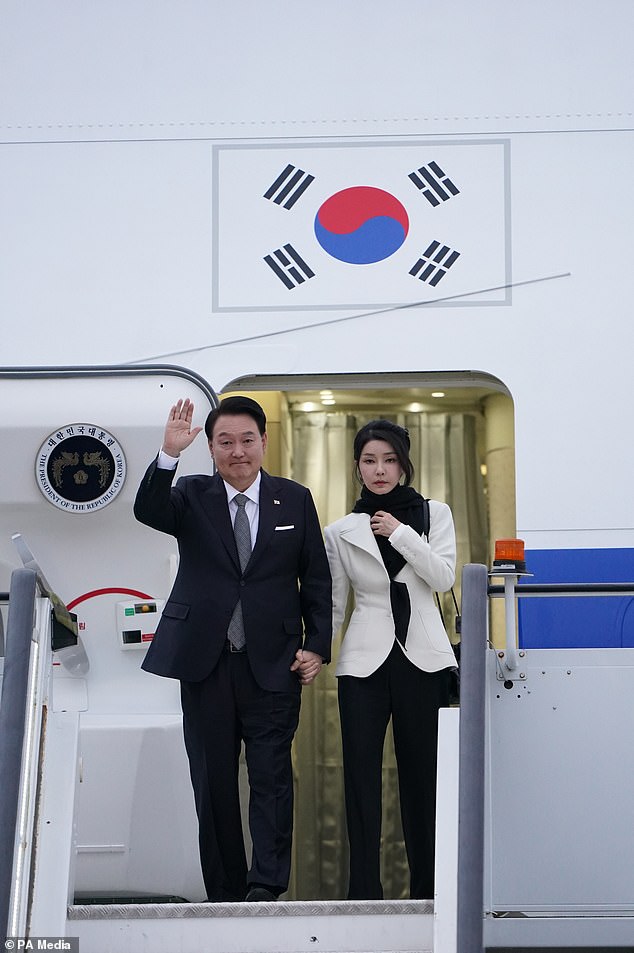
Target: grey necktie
(242,533)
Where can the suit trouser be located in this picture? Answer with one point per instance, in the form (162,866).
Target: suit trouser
(220,712)
(412,698)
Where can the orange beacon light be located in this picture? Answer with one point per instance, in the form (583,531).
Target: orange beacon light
(509,555)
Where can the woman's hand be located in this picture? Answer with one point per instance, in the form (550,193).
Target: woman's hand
(383,524)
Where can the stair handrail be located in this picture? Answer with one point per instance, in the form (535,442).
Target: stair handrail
(476,591)
(474,640)
(27,655)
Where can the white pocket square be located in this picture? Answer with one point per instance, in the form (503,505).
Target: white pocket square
(292,526)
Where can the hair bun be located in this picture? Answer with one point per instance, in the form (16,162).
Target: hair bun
(390,427)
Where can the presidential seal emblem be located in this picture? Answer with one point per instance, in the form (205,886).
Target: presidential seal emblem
(80,468)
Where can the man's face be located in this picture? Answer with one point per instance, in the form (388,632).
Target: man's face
(237,449)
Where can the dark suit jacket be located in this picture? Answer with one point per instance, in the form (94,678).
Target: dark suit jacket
(285,590)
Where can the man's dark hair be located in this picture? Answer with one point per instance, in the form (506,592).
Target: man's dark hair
(230,407)
(396,436)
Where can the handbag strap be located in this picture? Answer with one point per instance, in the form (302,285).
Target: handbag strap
(426,527)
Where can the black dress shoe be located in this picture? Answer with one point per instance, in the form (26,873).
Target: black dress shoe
(259,894)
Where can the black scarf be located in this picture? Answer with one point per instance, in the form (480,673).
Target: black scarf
(406,505)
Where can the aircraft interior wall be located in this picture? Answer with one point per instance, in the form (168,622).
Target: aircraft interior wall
(462,447)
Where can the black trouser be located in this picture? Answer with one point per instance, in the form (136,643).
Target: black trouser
(219,713)
(412,698)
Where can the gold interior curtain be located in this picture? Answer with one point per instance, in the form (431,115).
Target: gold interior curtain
(444,452)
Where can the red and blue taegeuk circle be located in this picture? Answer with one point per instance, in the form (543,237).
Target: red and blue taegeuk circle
(361,225)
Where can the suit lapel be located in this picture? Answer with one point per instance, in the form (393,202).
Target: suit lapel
(216,509)
(269,511)
(357,533)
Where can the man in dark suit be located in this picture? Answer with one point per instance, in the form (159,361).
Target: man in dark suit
(242,631)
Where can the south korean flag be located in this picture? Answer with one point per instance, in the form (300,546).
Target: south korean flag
(361,226)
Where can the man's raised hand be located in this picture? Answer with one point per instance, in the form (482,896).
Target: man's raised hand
(179,432)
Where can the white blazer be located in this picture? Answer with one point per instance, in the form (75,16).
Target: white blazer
(355,561)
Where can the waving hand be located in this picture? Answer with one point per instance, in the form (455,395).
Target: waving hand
(179,432)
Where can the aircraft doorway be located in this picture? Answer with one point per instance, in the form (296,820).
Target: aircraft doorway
(461,431)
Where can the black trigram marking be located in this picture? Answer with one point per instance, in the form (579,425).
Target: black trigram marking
(289,266)
(289,185)
(434,263)
(433,183)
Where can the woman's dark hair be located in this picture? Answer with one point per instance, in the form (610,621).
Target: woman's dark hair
(230,407)
(397,437)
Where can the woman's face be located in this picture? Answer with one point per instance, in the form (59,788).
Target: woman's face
(379,466)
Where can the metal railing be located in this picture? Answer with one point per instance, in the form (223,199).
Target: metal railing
(476,591)
(470,888)
(20,726)
(4,600)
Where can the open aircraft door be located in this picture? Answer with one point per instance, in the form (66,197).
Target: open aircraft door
(77,442)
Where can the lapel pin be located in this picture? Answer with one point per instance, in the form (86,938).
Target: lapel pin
(277,502)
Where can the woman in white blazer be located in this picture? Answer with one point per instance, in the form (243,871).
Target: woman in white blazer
(395,655)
